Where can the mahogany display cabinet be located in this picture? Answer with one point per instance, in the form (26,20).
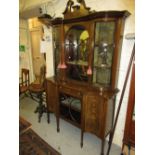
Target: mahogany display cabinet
(87,48)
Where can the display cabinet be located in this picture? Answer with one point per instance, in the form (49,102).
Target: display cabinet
(87,44)
(87,48)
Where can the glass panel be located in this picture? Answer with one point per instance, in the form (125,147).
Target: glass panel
(103,52)
(101,76)
(104,32)
(76,53)
(57,46)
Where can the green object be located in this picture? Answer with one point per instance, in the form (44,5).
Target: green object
(21,48)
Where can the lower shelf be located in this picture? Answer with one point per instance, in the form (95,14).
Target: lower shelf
(70,115)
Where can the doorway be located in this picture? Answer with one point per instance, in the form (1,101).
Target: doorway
(37,57)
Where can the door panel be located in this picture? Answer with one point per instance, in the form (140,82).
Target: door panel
(94,114)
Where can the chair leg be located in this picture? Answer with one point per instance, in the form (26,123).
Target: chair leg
(31,95)
(41,108)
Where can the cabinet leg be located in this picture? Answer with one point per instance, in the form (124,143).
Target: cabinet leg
(81,139)
(122,149)
(110,137)
(48,117)
(39,117)
(129,148)
(57,119)
(102,147)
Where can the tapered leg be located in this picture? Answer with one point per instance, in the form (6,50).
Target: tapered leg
(81,138)
(57,119)
(129,149)
(122,149)
(48,117)
(110,137)
(39,117)
(102,147)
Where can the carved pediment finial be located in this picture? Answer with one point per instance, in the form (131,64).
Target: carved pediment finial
(82,2)
(83,6)
(68,7)
(74,11)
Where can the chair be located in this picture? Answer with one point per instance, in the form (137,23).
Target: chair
(25,81)
(37,89)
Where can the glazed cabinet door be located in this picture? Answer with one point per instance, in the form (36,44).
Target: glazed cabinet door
(94,114)
(51,96)
(103,52)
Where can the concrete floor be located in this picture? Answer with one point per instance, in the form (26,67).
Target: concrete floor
(67,141)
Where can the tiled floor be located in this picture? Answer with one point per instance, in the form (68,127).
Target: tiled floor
(67,141)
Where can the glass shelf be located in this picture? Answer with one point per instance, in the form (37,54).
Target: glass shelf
(102,66)
(79,62)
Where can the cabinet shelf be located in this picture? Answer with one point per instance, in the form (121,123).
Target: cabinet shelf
(72,103)
(68,119)
(108,45)
(102,67)
(71,114)
(79,62)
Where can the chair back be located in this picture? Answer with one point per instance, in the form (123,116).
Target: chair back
(40,79)
(25,80)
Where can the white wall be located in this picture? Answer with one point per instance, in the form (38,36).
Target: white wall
(24,39)
(33,23)
(49,52)
(27,4)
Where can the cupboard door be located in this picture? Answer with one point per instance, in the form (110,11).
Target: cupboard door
(94,112)
(51,92)
(103,52)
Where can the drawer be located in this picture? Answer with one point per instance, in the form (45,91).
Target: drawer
(70,91)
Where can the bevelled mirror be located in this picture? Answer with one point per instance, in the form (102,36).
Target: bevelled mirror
(76,53)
